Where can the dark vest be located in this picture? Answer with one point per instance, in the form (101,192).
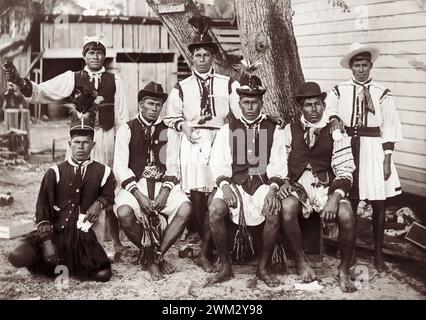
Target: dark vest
(248,168)
(65,197)
(319,156)
(106,89)
(139,143)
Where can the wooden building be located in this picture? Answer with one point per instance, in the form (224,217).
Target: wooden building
(398,28)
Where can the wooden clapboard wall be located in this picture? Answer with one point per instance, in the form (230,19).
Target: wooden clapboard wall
(398,28)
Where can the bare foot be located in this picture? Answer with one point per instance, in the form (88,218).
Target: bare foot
(223,275)
(345,283)
(155,272)
(379,264)
(267,277)
(204,263)
(166,267)
(306,273)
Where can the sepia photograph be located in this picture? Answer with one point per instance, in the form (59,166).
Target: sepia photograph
(222,152)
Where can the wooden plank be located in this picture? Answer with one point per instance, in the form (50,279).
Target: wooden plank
(98,29)
(413,131)
(410,159)
(416,19)
(47,35)
(76,34)
(416,146)
(107,31)
(155,38)
(399,61)
(339,49)
(409,103)
(413,117)
(147,34)
(89,29)
(335,14)
(164,36)
(135,30)
(413,187)
(128,36)
(306,6)
(117,35)
(365,36)
(411,173)
(379,74)
(401,88)
(142,36)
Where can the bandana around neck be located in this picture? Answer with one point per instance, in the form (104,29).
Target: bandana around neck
(204,76)
(318,125)
(95,75)
(253,123)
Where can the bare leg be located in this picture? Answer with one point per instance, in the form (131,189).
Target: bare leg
(379,218)
(203,259)
(291,209)
(129,224)
(217,213)
(346,222)
(199,205)
(269,236)
(173,231)
(114,230)
(134,232)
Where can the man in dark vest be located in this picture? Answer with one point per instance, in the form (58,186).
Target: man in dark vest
(319,177)
(111,108)
(151,206)
(248,170)
(72,196)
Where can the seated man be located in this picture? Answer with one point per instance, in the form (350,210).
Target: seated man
(319,177)
(145,165)
(71,197)
(248,171)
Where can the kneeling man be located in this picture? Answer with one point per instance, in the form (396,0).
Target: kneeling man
(319,177)
(152,208)
(71,198)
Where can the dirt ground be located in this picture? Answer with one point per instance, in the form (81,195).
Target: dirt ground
(129,281)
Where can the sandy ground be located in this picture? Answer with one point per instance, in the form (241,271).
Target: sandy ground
(129,281)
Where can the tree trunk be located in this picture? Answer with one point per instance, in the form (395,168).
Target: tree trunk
(266,33)
(178,27)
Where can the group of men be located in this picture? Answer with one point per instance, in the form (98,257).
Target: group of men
(211,160)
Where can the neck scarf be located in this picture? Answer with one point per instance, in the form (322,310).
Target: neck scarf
(366,95)
(95,76)
(311,130)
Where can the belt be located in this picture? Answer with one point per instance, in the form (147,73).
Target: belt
(363,131)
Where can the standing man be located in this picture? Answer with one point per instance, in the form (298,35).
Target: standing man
(368,113)
(151,206)
(319,177)
(71,197)
(247,165)
(198,106)
(111,112)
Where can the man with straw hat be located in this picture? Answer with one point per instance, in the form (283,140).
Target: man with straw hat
(368,113)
